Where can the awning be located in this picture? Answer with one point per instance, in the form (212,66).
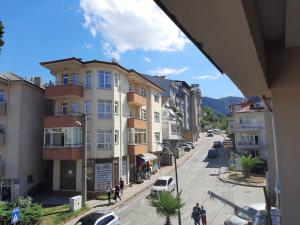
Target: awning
(148,157)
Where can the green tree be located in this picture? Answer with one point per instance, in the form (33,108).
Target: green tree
(248,163)
(1,34)
(167,205)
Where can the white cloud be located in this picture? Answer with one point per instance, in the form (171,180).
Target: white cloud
(132,24)
(109,51)
(87,45)
(168,71)
(206,77)
(147,59)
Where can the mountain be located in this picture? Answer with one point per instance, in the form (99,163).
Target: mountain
(220,105)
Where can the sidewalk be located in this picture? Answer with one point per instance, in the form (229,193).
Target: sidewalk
(130,192)
(238,179)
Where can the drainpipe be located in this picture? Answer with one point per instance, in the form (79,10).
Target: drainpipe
(120,132)
(270,111)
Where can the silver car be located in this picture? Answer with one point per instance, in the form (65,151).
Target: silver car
(99,218)
(164,183)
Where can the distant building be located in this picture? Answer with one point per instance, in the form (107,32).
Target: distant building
(21,136)
(247,122)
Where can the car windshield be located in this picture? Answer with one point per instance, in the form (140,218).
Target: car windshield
(160,183)
(251,213)
(211,151)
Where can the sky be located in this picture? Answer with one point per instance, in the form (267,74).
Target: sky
(134,32)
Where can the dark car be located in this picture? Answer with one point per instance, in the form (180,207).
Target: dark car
(212,153)
(217,144)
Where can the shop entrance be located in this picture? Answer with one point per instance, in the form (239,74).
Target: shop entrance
(5,190)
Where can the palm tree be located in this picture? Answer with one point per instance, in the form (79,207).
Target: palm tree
(167,205)
(248,163)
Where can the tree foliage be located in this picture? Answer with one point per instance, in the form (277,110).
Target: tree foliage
(213,120)
(248,163)
(167,205)
(1,34)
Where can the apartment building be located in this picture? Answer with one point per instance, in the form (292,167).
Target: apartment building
(196,113)
(21,134)
(123,126)
(247,122)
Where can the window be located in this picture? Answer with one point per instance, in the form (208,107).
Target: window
(106,220)
(2,96)
(104,139)
(116,107)
(88,140)
(104,79)
(63,137)
(130,112)
(143,114)
(156,117)
(137,136)
(88,108)
(30,179)
(75,79)
(65,79)
(170,181)
(116,137)
(174,129)
(156,97)
(88,79)
(157,136)
(142,91)
(116,77)
(104,109)
(75,107)
(64,108)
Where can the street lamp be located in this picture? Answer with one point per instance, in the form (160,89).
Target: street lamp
(176,176)
(83,124)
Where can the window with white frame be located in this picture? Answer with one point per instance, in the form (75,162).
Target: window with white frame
(88,79)
(116,137)
(116,108)
(104,109)
(143,114)
(2,96)
(156,97)
(142,91)
(156,117)
(88,108)
(63,137)
(88,140)
(157,137)
(137,136)
(75,106)
(130,112)
(174,129)
(75,78)
(104,79)
(104,139)
(116,78)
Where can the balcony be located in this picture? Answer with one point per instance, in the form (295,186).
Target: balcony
(136,99)
(137,149)
(60,119)
(66,152)
(2,108)
(1,168)
(136,123)
(248,145)
(59,90)
(246,127)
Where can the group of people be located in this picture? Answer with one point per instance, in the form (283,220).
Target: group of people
(199,213)
(115,193)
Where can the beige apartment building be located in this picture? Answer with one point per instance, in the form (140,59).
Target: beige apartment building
(123,111)
(21,132)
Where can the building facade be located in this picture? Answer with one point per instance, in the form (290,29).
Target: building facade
(123,125)
(21,132)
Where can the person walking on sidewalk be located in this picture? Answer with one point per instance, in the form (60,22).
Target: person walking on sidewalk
(203,215)
(108,191)
(121,184)
(117,193)
(196,214)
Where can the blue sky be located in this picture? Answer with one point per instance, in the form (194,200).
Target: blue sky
(135,32)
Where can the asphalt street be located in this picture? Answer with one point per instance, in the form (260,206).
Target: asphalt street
(196,177)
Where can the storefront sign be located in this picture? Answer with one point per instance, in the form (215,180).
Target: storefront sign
(103,176)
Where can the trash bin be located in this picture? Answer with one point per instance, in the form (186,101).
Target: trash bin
(75,203)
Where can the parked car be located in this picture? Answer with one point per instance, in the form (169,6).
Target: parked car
(241,218)
(164,183)
(212,153)
(99,218)
(186,147)
(217,144)
(210,133)
(191,144)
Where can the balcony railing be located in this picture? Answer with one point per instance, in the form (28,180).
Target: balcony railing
(248,145)
(136,123)
(246,126)
(134,98)
(68,113)
(62,119)
(63,146)
(65,152)
(63,89)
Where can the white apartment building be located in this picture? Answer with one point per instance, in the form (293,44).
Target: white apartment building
(123,111)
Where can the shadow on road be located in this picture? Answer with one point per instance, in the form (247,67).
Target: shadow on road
(220,161)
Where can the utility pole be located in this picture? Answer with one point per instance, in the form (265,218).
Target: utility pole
(84,159)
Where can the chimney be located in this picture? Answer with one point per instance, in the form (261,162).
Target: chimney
(113,60)
(37,81)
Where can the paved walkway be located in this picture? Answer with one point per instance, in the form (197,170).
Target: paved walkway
(130,192)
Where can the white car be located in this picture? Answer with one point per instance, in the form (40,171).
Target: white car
(99,218)
(165,183)
(240,218)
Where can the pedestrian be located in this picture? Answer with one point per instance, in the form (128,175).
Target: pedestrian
(203,215)
(117,193)
(108,191)
(196,214)
(121,184)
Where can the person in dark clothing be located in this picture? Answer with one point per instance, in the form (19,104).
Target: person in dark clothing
(196,214)
(117,193)
(203,215)
(108,191)
(121,184)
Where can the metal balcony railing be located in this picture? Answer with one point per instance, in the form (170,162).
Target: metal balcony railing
(68,113)
(60,83)
(78,145)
